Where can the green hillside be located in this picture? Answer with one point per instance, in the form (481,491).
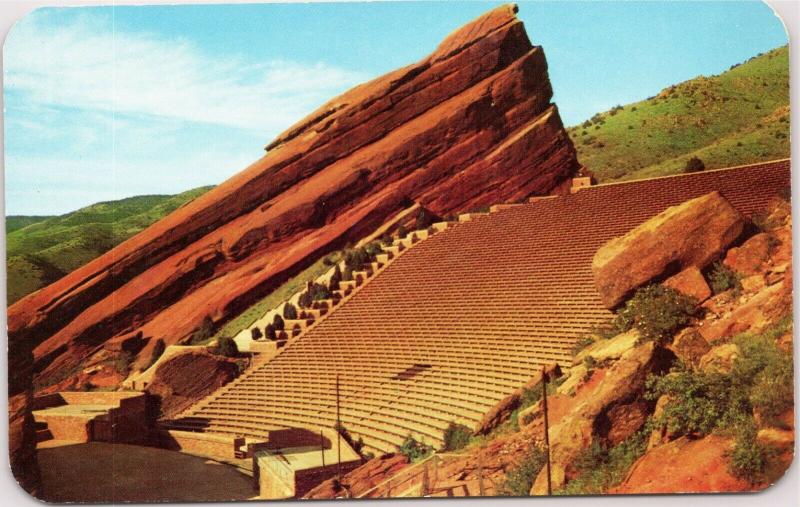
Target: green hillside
(738,117)
(44,249)
(16,222)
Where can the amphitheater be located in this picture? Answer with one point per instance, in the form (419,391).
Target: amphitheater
(454,323)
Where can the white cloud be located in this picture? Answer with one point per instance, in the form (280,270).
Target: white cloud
(86,64)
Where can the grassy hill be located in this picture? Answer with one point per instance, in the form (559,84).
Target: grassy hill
(738,117)
(40,250)
(16,222)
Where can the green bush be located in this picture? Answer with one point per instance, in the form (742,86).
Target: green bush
(347,276)
(203,333)
(227,347)
(699,402)
(600,468)
(402,232)
(657,312)
(694,165)
(456,436)
(723,278)
(158,349)
(766,370)
(255,333)
(414,450)
(278,323)
(424,220)
(269,331)
(336,277)
(748,459)
(289,311)
(519,479)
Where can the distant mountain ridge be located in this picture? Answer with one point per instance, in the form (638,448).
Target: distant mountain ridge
(42,249)
(738,117)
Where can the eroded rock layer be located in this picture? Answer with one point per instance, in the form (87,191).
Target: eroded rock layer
(468,126)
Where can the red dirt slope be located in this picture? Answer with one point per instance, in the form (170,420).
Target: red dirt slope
(468,126)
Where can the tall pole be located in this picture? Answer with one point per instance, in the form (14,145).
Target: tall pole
(338,435)
(546,429)
(322,447)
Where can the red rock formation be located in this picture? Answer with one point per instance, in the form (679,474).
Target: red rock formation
(694,233)
(468,126)
(685,466)
(185,379)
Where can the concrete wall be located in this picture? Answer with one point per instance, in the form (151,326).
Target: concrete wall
(203,444)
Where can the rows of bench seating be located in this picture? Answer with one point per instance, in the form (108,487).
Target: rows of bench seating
(469,315)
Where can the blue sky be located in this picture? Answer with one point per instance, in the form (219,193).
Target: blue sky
(104,103)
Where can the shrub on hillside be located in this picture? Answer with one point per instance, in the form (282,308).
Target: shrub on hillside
(227,347)
(256,334)
(269,332)
(204,332)
(402,232)
(694,165)
(278,323)
(748,459)
(158,349)
(723,278)
(701,403)
(289,311)
(599,467)
(424,220)
(347,276)
(414,450)
(305,300)
(456,436)
(336,277)
(519,479)
(766,370)
(657,312)
(319,292)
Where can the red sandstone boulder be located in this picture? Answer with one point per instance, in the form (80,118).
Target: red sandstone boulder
(361,479)
(754,315)
(470,125)
(685,466)
(690,234)
(184,379)
(720,359)
(748,259)
(690,282)
(689,346)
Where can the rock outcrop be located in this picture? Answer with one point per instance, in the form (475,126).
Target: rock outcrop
(470,125)
(694,233)
(594,417)
(184,379)
(685,466)
(361,479)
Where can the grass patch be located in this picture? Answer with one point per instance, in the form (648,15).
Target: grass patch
(600,468)
(279,295)
(519,479)
(740,116)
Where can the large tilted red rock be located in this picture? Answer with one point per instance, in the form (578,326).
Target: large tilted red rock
(468,126)
(690,234)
